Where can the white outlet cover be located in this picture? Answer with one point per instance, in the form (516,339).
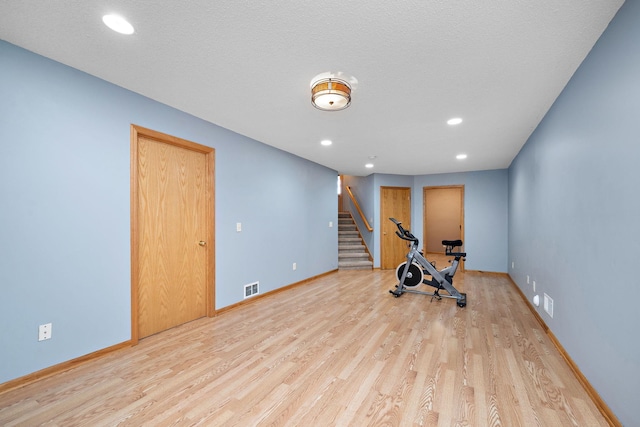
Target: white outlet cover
(44,332)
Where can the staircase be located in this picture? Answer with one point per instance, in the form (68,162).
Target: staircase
(352,253)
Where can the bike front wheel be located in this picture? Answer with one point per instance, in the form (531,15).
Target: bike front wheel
(414,276)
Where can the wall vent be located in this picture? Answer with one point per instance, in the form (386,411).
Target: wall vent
(251,289)
(548,305)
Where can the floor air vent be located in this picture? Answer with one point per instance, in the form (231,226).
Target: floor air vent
(548,305)
(251,289)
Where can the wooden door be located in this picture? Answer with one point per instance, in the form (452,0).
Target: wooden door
(172,232)
(443,216)
(395,202)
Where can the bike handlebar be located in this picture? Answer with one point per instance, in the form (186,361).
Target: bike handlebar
(406,235)
(402,233)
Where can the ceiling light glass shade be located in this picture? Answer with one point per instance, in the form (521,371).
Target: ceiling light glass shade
(331,94)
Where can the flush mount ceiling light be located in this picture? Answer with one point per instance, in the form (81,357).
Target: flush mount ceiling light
(326,142)
(118,24)
(330,94)
(454,121)
(461,156)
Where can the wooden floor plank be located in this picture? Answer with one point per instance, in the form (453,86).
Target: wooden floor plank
(336,351)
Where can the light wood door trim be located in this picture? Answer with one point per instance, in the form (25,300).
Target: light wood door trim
(424,214)
(136,133)
(392,249)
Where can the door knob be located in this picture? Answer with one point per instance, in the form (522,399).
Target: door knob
(202,243)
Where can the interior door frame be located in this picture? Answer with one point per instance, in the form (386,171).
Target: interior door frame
(209,152)
(424,213)
(383,220)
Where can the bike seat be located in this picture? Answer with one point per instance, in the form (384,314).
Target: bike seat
(452,243)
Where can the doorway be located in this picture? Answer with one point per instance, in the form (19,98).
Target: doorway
(395,202)
(443,217)
(172,232)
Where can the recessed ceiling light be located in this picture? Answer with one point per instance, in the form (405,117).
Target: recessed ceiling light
(461,156)
(118,24)
(368,165)
(326,142)
(454,121)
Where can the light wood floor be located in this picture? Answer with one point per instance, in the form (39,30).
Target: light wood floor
(338,351)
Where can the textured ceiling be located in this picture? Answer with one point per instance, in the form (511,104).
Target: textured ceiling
(247,66)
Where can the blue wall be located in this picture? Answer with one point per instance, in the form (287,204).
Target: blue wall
(485,211)
(65,218)
(566,209)
(485,215)
(574,210)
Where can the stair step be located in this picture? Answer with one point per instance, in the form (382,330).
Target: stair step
(355,265)
(348,228)
(350,248)
(349,241)
(352,256)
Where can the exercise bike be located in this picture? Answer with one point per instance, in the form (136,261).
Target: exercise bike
(412,272)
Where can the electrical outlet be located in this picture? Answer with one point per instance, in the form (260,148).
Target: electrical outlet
(44,331)
(534,286)
(513,265)
(295,266)
(238,227)
(527,279)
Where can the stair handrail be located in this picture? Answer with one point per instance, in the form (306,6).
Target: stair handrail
(355,203)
